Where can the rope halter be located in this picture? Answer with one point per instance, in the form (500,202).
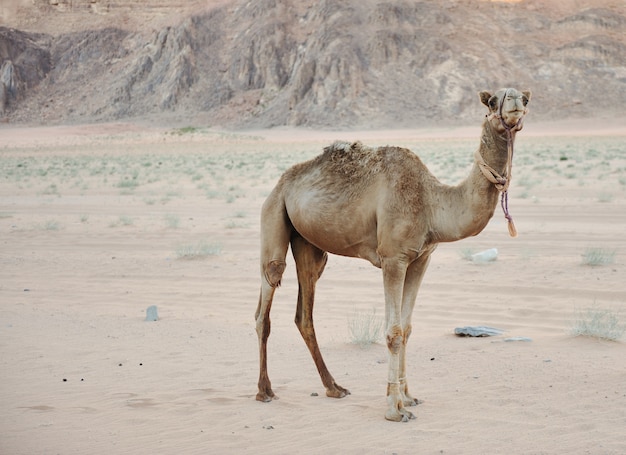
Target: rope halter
(502,182)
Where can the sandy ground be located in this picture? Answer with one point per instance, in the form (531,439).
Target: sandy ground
(93,222)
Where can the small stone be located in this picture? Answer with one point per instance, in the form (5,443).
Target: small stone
(518,339)
(489,255)
(151,313)
(477,331)
(314,394)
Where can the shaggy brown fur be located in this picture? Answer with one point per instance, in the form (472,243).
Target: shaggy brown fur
(381,204)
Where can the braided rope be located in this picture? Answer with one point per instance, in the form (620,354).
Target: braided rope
(502,182)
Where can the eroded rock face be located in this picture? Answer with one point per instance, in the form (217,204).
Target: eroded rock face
(7,84)
(325,63)
(24,63)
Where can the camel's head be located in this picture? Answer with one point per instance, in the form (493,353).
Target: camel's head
(507,108)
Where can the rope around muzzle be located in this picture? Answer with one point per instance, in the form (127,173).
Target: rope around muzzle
(502,182)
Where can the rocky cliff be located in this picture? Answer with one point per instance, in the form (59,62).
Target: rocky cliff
(325,63)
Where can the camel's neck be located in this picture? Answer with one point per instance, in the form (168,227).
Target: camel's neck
(464,210)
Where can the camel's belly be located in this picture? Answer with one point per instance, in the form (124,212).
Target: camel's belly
(346,232)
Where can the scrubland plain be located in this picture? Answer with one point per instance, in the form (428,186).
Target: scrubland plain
(99,222)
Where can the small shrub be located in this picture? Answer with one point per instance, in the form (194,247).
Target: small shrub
(365,328)
(173,193)
(173,221)
(125,220)
(184,130)
(232,224)
(129,183)
(598,256)
(51,190)
(51,225)
(198,250)
(599,323)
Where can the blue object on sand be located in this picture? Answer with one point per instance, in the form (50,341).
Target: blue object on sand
(477,331)
(518,339)
(151,313)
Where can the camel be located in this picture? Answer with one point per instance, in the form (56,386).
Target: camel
(383,205)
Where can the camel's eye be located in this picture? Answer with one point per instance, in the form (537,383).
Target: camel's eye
(524,100)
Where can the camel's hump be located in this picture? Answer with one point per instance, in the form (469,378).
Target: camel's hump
(345,147)
(355,151)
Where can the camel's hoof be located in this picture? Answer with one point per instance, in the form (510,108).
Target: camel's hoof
(337,392)
(399,415)
(266,397)
(412,402)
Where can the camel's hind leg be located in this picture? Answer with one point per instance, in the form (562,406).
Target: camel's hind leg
(275,233)
(310,263)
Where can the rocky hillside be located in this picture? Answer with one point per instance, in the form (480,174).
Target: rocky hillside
(318,63)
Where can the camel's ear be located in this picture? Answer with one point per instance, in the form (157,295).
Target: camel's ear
(489,100)
(526,94)
(484,97)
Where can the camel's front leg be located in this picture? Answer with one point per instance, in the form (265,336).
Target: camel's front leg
(394,272)
(412,282)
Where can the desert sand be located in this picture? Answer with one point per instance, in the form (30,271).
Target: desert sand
(95,222)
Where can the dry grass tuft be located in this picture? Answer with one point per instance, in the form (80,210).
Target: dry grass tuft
(601,323)
(598,256)
(198,250)
(365,328)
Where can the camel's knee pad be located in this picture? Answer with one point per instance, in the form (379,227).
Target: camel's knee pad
(394,339)
(274,272)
